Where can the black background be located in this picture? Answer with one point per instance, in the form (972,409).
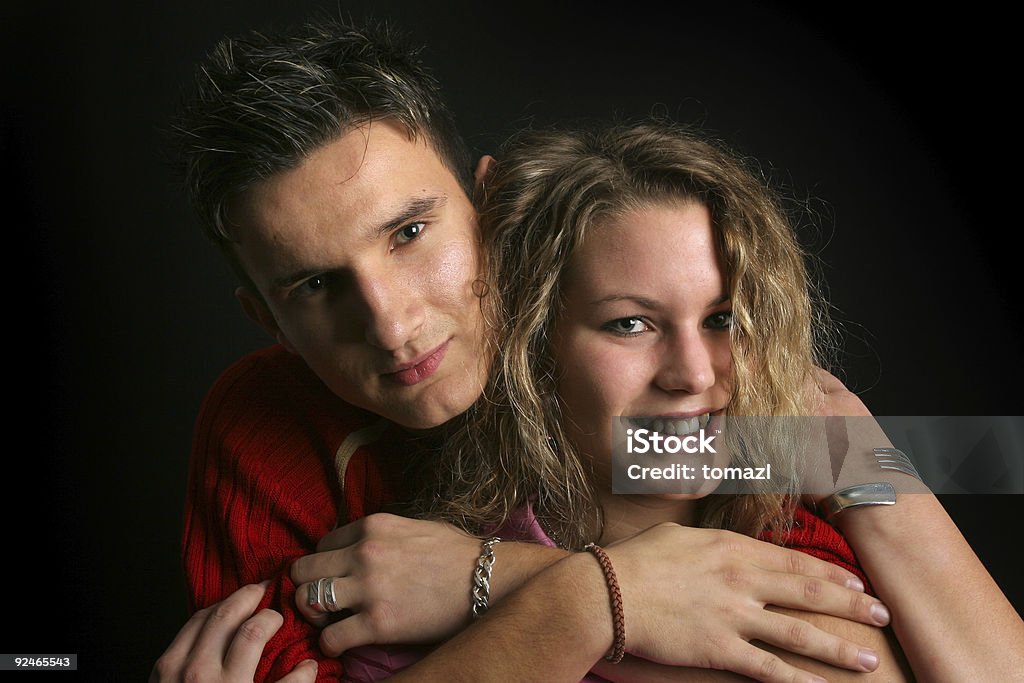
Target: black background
(119,315)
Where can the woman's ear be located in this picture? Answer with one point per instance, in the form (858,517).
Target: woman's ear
(483,171)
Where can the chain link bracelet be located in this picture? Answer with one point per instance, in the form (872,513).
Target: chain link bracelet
(482,576)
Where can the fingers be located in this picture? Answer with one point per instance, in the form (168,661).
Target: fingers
(222,642)
(223,620)
(251,637)
(328,563)
(801,637)
(816,595)
(760,665)
(179,648)
(304,672)
(342,536)
(785,560)
(318,600)
(828,382)
(348,633)
(379,524)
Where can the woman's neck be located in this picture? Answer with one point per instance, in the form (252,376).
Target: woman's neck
(626,515)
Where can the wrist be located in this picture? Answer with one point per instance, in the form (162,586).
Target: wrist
(618,650)
(591,617)
(520,562)
(481,593)
(888,526)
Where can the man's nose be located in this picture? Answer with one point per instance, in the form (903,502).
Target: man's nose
(393,312)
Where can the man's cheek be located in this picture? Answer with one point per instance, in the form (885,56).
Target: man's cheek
(454,271)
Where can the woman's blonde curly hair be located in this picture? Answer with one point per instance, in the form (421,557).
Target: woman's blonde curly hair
(548,190)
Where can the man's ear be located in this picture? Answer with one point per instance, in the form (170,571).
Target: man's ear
(483,171)
(256,309)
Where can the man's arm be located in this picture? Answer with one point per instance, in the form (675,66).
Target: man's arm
(260,494)
(235,535)
(407,580)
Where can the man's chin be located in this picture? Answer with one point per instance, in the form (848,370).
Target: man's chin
(423,414)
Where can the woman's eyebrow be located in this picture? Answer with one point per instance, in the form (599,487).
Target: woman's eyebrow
(635,298)
(650,303)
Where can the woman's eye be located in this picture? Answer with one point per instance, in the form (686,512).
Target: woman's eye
(719,321)
(627,327)
(410,232)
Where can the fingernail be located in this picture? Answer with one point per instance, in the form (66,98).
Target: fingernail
(856,584)
(880,614)
(817,679)
(868,660)
(265,583)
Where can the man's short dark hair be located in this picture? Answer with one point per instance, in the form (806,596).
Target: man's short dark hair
(262,103)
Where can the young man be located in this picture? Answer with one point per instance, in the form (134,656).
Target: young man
(326,167)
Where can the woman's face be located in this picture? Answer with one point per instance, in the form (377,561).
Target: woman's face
(645,328)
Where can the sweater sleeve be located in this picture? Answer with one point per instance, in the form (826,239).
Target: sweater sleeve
(262,491)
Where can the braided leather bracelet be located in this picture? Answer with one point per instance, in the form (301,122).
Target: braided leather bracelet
(618,618)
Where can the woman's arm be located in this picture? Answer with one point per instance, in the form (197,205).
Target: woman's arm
(952,620)
(692,597)
(892,666)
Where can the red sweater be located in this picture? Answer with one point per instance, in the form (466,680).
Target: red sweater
(264,488)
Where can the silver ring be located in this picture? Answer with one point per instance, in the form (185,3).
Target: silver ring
(313,595)
(321,595)
(330,600)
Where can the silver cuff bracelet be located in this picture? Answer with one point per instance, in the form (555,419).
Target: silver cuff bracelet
(881,493)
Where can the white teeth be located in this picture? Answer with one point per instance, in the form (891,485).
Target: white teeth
(674,426)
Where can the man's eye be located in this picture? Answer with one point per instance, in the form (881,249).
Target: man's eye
(409,232)
(313,284)
(627,327)
(719,321)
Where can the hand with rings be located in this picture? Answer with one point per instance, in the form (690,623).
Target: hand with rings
(387,579)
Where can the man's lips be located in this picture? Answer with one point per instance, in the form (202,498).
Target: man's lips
(419,369)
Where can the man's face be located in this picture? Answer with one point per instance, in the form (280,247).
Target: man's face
(365,256)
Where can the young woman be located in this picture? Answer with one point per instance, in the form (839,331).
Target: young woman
(644,270)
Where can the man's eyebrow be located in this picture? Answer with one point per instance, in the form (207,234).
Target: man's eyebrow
(412,209)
